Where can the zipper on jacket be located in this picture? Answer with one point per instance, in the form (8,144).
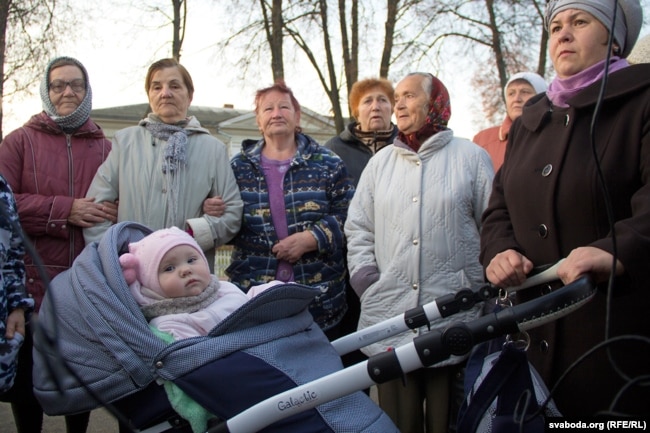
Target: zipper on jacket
(68,139)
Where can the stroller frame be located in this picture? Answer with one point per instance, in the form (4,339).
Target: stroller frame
(425,350)
(121,360)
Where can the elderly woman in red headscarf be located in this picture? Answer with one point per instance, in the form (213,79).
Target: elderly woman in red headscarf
(413,236)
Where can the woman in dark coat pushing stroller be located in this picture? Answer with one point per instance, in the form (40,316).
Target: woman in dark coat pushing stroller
(547,203)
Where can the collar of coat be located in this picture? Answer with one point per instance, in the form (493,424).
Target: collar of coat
(620,84)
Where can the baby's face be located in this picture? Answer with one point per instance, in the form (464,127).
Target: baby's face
(183,272)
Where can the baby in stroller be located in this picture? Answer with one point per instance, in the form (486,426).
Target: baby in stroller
(169,277)
(93,340)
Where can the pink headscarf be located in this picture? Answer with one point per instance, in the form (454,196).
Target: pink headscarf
(437,117)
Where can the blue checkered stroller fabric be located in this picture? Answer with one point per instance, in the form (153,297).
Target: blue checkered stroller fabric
(91,323)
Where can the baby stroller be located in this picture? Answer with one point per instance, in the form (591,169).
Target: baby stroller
(267,367)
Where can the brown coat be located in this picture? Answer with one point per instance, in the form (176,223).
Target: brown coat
(47,170)
(547,200)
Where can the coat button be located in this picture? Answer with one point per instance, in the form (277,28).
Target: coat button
(542,231)
(548,168)
(543,346)
(415,286)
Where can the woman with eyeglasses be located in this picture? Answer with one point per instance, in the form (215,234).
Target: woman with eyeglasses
(49,164)
(548,203)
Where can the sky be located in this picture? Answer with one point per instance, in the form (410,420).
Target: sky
(117,46)
(117,50)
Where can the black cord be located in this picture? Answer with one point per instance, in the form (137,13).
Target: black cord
(605,344)
(606,195)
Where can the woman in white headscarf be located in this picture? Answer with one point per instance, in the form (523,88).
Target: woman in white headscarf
(548,203)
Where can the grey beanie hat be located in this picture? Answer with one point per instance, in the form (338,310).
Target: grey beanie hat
(629,17)
(78,117)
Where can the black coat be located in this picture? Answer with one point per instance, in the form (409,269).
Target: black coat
(547,200)
(354,153)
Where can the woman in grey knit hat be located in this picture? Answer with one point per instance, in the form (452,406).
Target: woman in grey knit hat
(49,164)
(549,202)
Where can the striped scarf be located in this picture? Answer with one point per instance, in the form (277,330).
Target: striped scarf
(175,158)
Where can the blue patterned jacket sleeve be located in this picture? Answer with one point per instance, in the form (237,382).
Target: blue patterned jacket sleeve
(12,251)
(329,230)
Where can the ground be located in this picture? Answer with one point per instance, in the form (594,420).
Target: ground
(100,422)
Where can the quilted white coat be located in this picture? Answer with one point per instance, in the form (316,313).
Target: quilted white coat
(416,218)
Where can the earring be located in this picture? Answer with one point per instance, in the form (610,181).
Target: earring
(616,49)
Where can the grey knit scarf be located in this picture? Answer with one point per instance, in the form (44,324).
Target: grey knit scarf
(174,160)
(78,117)
(186,304)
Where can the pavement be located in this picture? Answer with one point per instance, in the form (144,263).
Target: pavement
(101,421)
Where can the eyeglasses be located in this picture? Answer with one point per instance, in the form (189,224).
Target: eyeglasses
(58,86)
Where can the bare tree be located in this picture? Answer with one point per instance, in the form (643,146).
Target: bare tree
(179,21)
(155,9)
(328,80)
(29,33)
(273,28)
(498,32)
(296,21)
(350,43)
(392,8)
(495,38)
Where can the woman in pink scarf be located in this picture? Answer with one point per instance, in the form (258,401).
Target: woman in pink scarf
(548,203)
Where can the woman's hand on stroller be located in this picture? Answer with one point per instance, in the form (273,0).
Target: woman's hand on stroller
(508,269)
(588,260)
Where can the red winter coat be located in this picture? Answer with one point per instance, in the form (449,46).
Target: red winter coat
(47,169)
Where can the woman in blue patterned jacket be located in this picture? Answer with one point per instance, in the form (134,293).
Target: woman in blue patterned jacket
(296,195)
(14,303)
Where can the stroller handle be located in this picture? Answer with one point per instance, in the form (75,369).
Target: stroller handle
(425,350)
(443,306)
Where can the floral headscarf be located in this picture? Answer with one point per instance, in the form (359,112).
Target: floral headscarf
(437,117)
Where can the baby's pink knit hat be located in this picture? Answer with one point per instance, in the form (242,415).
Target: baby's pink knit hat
(142,261)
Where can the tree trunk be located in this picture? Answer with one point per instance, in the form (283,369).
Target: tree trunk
(392,7)
(331,71)
(179,27)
